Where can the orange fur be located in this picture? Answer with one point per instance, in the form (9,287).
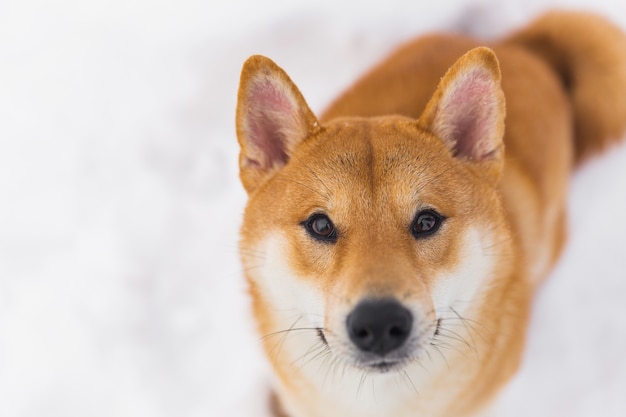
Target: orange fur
(399,142)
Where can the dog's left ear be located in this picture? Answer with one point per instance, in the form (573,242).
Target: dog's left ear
(467,111)
(272,119)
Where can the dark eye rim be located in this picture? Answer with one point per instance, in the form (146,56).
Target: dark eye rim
(439,221)
(308,226)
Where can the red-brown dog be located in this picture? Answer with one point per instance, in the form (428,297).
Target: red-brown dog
(393,247)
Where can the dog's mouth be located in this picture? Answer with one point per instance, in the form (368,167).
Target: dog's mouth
(384,366)
(373,363)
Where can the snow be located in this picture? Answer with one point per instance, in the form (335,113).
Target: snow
(120,288)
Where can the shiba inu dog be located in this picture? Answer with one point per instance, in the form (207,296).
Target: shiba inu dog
(393,246)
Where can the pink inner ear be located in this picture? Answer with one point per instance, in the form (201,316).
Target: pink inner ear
(271,117)
(469,111)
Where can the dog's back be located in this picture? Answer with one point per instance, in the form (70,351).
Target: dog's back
(585,52)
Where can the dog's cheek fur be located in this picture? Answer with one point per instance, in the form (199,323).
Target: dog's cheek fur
(288,308)
(466,284)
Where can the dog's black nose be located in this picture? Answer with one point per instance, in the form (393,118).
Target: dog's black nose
(379,326)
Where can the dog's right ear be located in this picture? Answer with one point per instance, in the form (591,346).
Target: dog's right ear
(272,119)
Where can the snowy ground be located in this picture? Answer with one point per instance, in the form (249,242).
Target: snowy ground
(120,290)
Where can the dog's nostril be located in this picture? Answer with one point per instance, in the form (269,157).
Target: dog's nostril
(363,334)
(396,331)
(379,326)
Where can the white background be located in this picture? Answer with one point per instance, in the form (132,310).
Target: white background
(120,289)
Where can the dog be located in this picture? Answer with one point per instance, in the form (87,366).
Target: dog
(393,246)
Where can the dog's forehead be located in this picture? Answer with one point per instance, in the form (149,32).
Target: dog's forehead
(384,155)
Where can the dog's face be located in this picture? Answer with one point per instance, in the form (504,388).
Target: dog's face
(369,242)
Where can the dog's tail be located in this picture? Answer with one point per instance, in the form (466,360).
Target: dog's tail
(589,54)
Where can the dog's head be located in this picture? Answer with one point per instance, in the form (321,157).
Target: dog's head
(362,237)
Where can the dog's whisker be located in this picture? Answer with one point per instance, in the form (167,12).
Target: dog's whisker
(329,367)
(467,327)
(436,347)
(444,332)
(317,351)
(282,340)
(420,364)
(408,379)
(364,375)
(450,347)
(471,324)
(294,329)
(430,358)
(322,349)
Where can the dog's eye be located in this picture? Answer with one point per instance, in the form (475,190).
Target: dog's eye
(320,227)
(426,223)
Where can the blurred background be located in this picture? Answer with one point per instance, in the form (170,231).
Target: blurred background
(120,289)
